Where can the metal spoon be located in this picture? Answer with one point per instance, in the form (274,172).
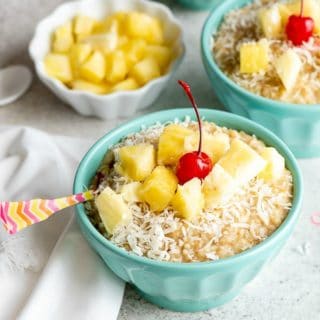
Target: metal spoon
(14,82)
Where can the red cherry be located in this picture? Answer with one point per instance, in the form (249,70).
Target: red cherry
(299,29)
(193,165)
(196,164)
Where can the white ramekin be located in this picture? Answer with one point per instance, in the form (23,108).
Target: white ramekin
(116,104)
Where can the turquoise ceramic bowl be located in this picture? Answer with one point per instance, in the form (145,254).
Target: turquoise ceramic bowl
(186,286)
(297,125)
(199,4)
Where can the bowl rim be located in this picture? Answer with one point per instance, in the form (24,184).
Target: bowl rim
(205,41)
(250,126)
(38,63)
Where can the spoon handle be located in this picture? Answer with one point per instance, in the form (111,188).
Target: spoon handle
(18,215)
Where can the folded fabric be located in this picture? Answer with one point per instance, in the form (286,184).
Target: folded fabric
(74,283)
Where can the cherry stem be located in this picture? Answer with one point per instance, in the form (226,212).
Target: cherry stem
(187,89)
(301,8)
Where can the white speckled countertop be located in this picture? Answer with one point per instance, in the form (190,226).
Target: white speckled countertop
(289,288)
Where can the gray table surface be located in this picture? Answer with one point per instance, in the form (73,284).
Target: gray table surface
(289,288)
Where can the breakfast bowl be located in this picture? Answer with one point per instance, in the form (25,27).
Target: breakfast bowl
(181,286)
(297,124)
(113,103)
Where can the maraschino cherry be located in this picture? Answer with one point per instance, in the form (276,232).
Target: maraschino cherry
(299,29)
(196,164)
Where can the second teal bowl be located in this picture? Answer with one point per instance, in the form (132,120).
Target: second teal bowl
(199,4)
(186,286)
(297,125)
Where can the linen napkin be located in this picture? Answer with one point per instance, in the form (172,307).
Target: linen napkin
(71,282)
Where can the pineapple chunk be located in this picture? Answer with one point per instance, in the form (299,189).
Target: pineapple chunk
(145,71)
(161,53)
(242,162)
(171,144)
(137,161)
(284,13)
(78,54)
(126,85)
(97,88)
(58,66)
(144,26)
(116,66)
(134,51)
(83,26)
(112,209)
(218,186)
(214,145)
(105,42)
(94,69)
(63,39)
(275,165)
(270,21)
(254,57)
(288,66)
(188,200)
(130,192)
(159,188)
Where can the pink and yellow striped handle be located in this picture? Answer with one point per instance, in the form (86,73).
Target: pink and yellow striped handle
(16,216)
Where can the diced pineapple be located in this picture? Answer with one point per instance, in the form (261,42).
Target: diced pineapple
(311,8)
(242,162)
(254,57)
(161,53)
(62,38)
(275,165)
(97,88)
(116,69)
(134,51)
(172,144)
(159,188)
(284,13)
(126,85)
(105,42)
(112,209)
(83,26)
(188,200)
(218,186)
(58,66)
(130,192)
(214,145)
(79,52)
(137,161)
(288,66)
(270,21)
(144,26)
(145,71)
(94,69)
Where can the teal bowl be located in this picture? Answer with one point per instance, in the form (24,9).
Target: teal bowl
(199,4)
(297,125)
(186,286)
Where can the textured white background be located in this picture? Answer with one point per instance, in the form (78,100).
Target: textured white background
(289,288)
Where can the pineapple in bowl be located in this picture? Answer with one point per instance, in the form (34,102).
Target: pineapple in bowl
(98,54)
(189,212)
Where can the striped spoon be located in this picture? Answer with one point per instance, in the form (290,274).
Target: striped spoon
(18,215)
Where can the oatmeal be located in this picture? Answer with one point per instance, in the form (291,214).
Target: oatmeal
(252,47)
(240,203)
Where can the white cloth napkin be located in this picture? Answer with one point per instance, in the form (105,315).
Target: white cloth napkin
(71,282)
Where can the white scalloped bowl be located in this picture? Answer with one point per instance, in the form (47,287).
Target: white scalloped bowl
(113,105)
